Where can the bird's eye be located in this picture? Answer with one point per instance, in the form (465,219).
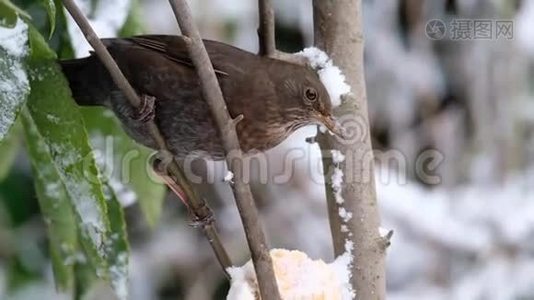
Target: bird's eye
(310,94)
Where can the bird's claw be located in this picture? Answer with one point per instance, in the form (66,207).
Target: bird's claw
(146,110)
(201,222)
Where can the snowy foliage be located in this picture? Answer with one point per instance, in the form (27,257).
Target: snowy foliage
(119,276)
(104,157)
(14,84)
(15,40)
(86,203)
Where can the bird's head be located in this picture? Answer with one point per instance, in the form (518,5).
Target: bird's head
(309,101)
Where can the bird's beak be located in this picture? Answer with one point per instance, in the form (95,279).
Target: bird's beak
(333,125)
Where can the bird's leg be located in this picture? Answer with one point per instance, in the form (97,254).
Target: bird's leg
(146,110)
(201,216)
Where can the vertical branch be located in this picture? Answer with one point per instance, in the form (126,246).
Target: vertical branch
(170,171)
(227,128)
(266,35)
(338,31)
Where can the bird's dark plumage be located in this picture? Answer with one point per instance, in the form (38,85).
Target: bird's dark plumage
(275,97)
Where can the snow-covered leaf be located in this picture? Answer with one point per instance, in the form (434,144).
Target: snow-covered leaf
(117,252)
(117,247)
(55,208)
(14,85)
(60,124)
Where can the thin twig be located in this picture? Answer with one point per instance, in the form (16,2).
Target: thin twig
(266,35)
(170,170)
(227,128)
(290,58)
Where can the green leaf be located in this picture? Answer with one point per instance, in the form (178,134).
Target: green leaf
(133,25)
(55,207)
(14,84)
(118,249)
(8,16)
(8,150)
(85,280)
(60,124)
(125,162)
(51,11)
(39,49)
(64,48)
(11,11)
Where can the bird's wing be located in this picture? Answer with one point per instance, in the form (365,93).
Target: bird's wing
(172,47)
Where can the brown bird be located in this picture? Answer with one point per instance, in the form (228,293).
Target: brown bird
(274,97)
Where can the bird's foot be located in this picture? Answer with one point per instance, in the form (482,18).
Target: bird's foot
(201,218)
(146,110)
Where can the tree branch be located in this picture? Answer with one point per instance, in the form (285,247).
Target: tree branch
(227,128)
(338,31)
(267,47)
(266,35)
(170,171)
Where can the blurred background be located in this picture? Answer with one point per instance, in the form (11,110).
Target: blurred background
(446,86)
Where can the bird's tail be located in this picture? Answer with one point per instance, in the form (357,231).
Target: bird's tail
(88,80)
